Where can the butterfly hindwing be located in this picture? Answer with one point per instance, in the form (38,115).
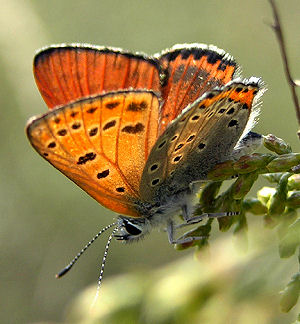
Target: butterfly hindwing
(190,71)
(202,136)
(66,73)
(101,143)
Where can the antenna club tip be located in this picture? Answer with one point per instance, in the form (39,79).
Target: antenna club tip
(63,272)
(57,276)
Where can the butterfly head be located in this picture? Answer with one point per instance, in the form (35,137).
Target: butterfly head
(131,229)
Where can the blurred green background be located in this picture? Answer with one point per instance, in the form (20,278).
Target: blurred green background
(46,219)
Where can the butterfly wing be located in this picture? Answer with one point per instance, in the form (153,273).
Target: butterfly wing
(190,71)
(65,73)
(202,136)
(101,143)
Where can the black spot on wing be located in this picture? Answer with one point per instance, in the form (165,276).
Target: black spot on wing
(137,106)
(161,144)
(178,147)
(51,145)
(230,111)
(85,158)
(155,182)
(177,158)
(109,125)
(76,125)
(138,128)
(154,167)
(195,117)
(93,131)
(190,138)
(103,174)
(112,105)
(210,95)
(232,123)
(91,110)
(62,132)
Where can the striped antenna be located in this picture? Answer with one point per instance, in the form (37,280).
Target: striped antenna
(103,265)
(70,265)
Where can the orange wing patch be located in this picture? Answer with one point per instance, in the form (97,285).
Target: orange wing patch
(241,94)
(66,74)
(101,143)
(190,72)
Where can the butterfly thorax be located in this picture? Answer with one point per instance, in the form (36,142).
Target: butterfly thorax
(157,215)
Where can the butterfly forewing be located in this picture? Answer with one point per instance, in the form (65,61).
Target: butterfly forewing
(101,143)
(202,136)
(190,71)
(67,73)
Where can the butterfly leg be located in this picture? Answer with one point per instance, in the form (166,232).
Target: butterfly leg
(188,215)
(246,145)
(171,227)
(197,219)
(188,209)
(186,212)
(181,240)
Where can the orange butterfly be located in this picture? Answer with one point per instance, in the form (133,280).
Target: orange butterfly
(140,133)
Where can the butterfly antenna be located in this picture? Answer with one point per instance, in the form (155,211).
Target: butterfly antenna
(70,265)
(103,265)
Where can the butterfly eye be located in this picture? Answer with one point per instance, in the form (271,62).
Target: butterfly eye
(132,229)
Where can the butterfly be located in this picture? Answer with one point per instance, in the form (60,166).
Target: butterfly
(140,133)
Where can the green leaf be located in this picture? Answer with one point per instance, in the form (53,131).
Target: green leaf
(276,203)
(290,241)
(276,144)
(290,294)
